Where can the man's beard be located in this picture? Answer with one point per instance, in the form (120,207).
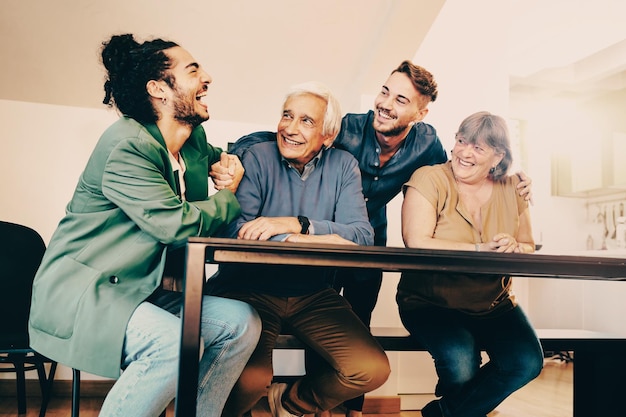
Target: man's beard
(185,113)
(394,131)
(192,120)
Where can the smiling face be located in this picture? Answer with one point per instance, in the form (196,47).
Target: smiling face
(299,132)
(189,86)
(398,106)
(472,162)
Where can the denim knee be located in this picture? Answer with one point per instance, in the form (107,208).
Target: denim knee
(530,365)
(239,323)
(457,365)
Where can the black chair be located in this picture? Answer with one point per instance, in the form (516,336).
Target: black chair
(21,250)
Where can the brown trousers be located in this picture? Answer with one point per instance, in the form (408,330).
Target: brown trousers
(353,361)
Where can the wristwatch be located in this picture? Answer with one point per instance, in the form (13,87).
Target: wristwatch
(305,223)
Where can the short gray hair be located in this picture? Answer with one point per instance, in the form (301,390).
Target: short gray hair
(332,117)
(492,129)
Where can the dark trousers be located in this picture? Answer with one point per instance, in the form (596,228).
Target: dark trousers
(467,387)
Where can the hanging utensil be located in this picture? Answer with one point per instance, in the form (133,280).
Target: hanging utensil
(614,225)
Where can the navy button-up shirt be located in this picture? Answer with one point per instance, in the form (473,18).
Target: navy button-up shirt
(380,185)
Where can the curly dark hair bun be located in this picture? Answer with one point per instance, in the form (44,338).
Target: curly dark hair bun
(130,65)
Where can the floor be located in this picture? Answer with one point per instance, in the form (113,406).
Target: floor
(550,395)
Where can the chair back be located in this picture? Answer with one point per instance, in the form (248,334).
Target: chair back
(21,251)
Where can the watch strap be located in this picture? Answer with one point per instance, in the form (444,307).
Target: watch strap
(304,223)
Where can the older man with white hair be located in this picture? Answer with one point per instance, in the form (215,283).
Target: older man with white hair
(298,189)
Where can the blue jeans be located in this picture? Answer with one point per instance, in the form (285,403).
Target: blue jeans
(454,339)
(229,330)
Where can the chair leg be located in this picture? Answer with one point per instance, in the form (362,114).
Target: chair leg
(46,392)
(20,381)
(75,393)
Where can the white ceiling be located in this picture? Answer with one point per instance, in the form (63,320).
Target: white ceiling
(254,50)
(567,48)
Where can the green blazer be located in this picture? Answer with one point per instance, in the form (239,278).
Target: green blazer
(108,253)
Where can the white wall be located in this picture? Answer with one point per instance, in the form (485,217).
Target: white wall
(45,148)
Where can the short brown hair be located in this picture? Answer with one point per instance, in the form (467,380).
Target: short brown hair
(422,80)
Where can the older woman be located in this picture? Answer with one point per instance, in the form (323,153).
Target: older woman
(469,203)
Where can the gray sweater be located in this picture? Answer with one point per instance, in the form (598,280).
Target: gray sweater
(331,197)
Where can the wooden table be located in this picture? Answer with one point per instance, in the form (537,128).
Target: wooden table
(212,250)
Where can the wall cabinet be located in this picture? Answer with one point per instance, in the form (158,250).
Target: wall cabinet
(594,167)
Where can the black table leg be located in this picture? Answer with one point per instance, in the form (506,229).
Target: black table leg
(190,346)
(599,383)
